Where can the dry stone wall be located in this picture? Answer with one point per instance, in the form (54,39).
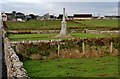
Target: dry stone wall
(75,48)
(58,31)
(41,31)
(14,65)
(101,32)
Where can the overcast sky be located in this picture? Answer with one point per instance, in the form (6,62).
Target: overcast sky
(40,7)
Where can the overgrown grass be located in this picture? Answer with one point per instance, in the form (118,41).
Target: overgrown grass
(83,67)
(20,37)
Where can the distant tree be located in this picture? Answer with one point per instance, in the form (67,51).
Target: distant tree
(13,14)
(32,16)
(20,15)
(60,16)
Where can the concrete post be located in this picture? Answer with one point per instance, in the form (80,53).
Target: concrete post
(58,49)
(83,47)
(111,47)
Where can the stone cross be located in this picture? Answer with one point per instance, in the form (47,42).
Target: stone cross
(63,24)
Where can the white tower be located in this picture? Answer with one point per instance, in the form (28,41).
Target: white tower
(63,24)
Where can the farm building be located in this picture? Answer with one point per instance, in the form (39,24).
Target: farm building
(9,16)
(14,16)
(52,17)
(60,16)
(67,17)
(27,17)
(47,16)
(20,15)
(82,16)
(111,17)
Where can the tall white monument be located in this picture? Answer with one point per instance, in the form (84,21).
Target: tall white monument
(63,24)
(63,31)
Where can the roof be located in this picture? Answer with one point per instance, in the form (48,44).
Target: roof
(20,14)
(60,16)
(82,15)
(52,16)
(8,13)
(112,16)
(70,16)
(27,16)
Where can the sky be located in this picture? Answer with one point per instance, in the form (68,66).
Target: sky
(60,1)
(40,7)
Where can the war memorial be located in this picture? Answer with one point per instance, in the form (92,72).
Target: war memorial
(59,47)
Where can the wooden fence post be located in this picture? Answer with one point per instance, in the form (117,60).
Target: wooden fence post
(111,47)
(58,49)
(83,47)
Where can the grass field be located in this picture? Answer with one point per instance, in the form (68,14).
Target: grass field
(99,23)
(83,67)
(37,24)
(20,37)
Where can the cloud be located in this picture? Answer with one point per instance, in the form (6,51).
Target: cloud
(39,1)
(102,8)
(112,11)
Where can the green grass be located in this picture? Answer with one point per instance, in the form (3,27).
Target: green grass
(20,37)
(37,24)
(100,23)
(86,35)
(27,37)
(83,67)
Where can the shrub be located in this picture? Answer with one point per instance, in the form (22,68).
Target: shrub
(53,56)
(35,57)
(115,52)
(70,53)
(70,48)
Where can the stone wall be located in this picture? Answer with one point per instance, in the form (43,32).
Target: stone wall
(42,31)
(43,49)
(14,65)
(58,31)
(101,32)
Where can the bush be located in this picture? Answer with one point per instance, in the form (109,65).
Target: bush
(70,48)
(53,56)
(35,57)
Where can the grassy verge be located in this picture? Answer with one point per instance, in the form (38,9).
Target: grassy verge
(20,37)
(84,67)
